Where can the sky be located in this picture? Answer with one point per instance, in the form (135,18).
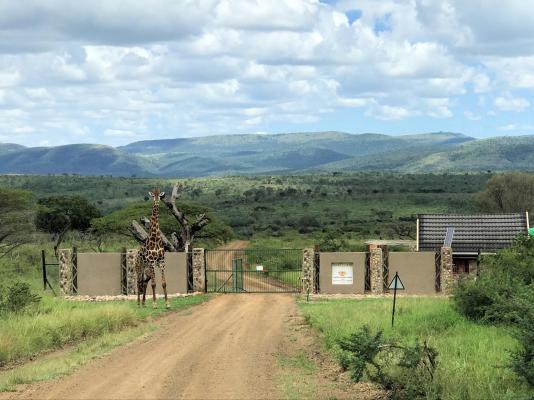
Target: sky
(114,72)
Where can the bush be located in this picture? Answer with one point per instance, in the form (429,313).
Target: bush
(503,294)
(333,241)
(406,371)
(17,298)
(523,359)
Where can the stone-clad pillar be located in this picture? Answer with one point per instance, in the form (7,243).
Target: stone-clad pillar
(199,270)
(308,270)
(66,265)
(376,271)
(446,275)
(131,273)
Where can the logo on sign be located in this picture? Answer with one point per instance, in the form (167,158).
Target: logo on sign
(342,274)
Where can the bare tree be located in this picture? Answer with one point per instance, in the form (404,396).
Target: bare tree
(181,240)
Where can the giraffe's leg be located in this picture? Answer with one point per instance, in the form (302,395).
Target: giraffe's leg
(164,282)
(145,284)
(139,290)
(153,275)
(139,276)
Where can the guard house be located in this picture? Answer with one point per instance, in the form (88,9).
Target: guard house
(469,235)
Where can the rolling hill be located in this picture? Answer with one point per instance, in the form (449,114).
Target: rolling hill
(286,153)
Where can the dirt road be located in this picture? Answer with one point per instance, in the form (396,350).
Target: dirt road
(223,349)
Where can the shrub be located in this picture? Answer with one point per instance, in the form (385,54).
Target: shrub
(407,371)
(503,294)
(17,298)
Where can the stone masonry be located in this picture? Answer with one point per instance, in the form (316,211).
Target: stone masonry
(308,270)
(199,270)
(131,274)
(446,275)
(376,271)
(66,287)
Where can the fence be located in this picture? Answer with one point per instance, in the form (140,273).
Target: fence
(100,274)
(259,270)
(357,273)
(253,270)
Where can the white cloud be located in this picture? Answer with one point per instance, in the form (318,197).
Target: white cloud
(509,103)
(117,69)
(516,127)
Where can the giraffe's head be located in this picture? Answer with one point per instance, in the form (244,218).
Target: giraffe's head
(156,195)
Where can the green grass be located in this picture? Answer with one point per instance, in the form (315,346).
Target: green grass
(57,322)
(56,365)
(295,375)
(472,358)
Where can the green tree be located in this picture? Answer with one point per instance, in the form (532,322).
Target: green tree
(59,214)
(16,218)
(503,294)
(118,222)
(510,192)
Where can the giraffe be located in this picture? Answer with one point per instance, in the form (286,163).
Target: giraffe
(151,255)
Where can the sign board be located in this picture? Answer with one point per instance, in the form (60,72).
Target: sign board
(342,274)
(259,267)
(396,283)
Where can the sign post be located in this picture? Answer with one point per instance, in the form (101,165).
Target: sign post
(395,284)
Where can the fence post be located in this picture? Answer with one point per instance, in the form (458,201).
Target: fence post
(43,263)
(376,272)
(131,274)
(447,278)
(308,270)
(65,272)
(199,270)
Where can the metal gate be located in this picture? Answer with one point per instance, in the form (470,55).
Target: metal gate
(254,271)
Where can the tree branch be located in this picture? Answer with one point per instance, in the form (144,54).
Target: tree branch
(140,235)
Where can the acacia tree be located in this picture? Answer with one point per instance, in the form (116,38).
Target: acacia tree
(16,219)
(59,214)
(181,240)
(510,192)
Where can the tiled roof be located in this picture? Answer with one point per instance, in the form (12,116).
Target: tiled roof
(487,232)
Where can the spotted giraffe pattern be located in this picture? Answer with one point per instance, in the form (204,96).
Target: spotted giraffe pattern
(151,255)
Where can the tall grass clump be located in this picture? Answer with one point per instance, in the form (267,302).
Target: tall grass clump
(472,358)
(57,323)
(504,294)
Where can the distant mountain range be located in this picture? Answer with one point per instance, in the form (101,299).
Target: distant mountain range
(287,153)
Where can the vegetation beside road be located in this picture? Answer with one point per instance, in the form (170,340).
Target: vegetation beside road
(52,323)
(472,358)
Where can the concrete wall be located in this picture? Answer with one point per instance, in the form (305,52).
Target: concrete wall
(175,274)
(99,274)
(325,274)
(417,271)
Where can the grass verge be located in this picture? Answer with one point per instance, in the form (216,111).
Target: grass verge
(472,358)
(57,322)
(296,376)
(62,364)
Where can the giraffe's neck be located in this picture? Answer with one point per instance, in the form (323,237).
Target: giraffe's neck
(154,221)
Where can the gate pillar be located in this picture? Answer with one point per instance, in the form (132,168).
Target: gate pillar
(376,272)
(199,270)
(131,274)
(447,278)
(308,270)
(67,272)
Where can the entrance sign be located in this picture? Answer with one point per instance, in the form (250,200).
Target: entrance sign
(342,274)
(396,283)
